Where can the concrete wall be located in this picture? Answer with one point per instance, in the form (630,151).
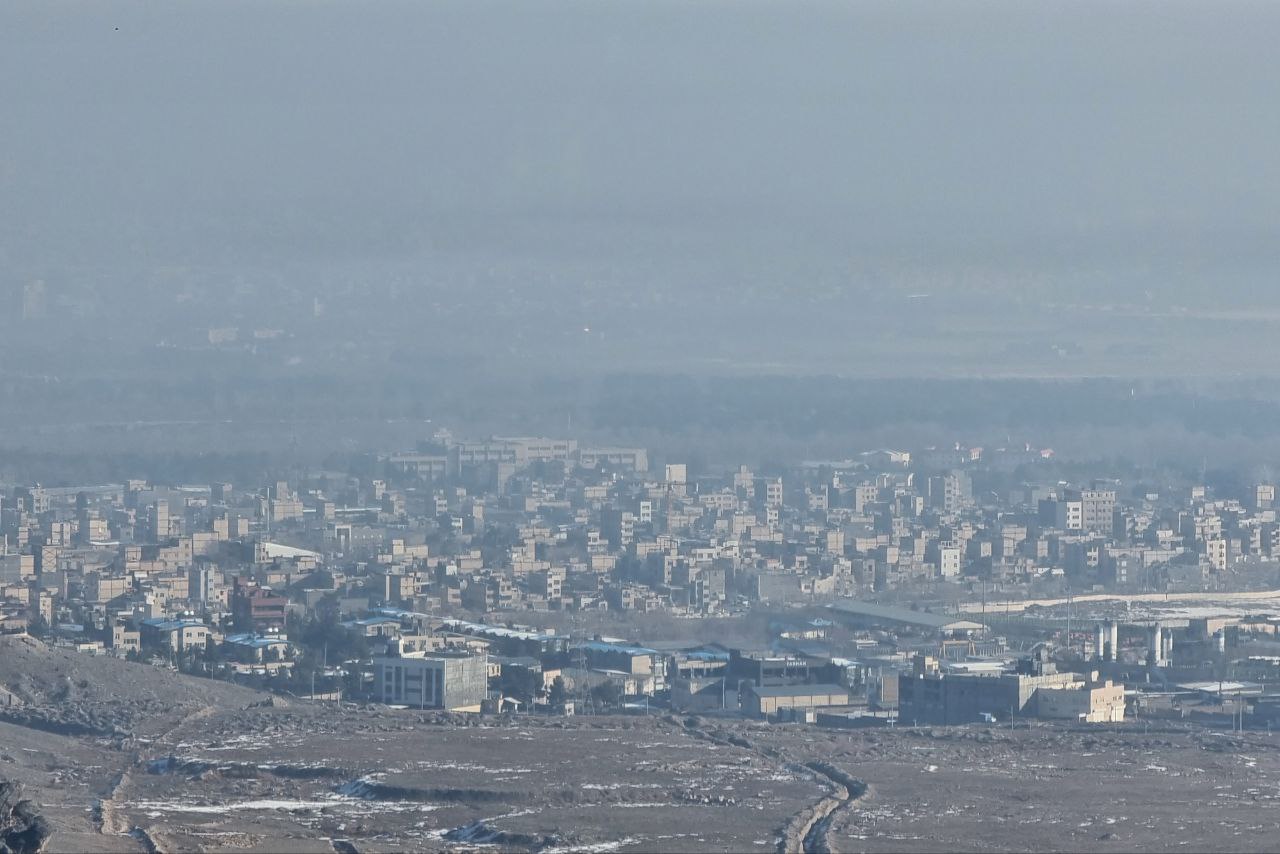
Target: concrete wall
(466,683)
(764,706)
(698,694)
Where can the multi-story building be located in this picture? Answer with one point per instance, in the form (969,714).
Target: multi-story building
(1097,510)
(452,681)
(927,695)
(632,459)
(949,560)
(256,608)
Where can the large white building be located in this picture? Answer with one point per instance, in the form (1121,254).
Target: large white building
(454,682)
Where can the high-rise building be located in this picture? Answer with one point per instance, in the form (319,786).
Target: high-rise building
(1097,510)
(160,521)
(951,493)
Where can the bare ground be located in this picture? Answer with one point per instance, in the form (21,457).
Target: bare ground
(134,758)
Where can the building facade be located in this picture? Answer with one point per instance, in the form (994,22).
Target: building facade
(454,682)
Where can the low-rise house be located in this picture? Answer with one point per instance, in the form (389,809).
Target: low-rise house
(374,627)
(14,617)
(125,640)
(772,700)
(646,666)
(178,635)
(250,647)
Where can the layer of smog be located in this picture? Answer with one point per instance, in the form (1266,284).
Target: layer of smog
(576,427)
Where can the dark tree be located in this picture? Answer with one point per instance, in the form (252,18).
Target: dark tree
(558,693)
(607,695)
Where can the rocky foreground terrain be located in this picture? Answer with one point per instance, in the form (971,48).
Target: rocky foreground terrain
(113,756)
(22,828)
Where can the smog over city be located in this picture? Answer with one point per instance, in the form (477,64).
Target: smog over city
(639,426)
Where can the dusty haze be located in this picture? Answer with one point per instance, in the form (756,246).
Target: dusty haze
(247,206)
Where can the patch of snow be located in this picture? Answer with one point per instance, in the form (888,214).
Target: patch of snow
(594,848)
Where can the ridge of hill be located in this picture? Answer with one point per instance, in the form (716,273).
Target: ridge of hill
(71,693)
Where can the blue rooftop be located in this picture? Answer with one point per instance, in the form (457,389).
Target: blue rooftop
(163,625)
(255,641)
(371,621)
(625,649)
(398,613)
(705,655)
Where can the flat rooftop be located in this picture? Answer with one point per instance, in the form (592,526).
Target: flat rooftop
(799,690)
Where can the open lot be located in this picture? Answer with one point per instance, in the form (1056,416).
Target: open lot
(139,758)
(1052,788)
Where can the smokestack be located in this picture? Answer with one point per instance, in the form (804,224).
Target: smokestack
(1113,644)
(1099,641)
(1155,644)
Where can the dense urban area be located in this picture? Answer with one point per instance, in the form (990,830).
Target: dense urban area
(560,593)
(657,426)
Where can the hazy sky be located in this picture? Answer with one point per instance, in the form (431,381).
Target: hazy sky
(1080,134)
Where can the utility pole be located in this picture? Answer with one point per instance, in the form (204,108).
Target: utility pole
(578,662)
(1068,619)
